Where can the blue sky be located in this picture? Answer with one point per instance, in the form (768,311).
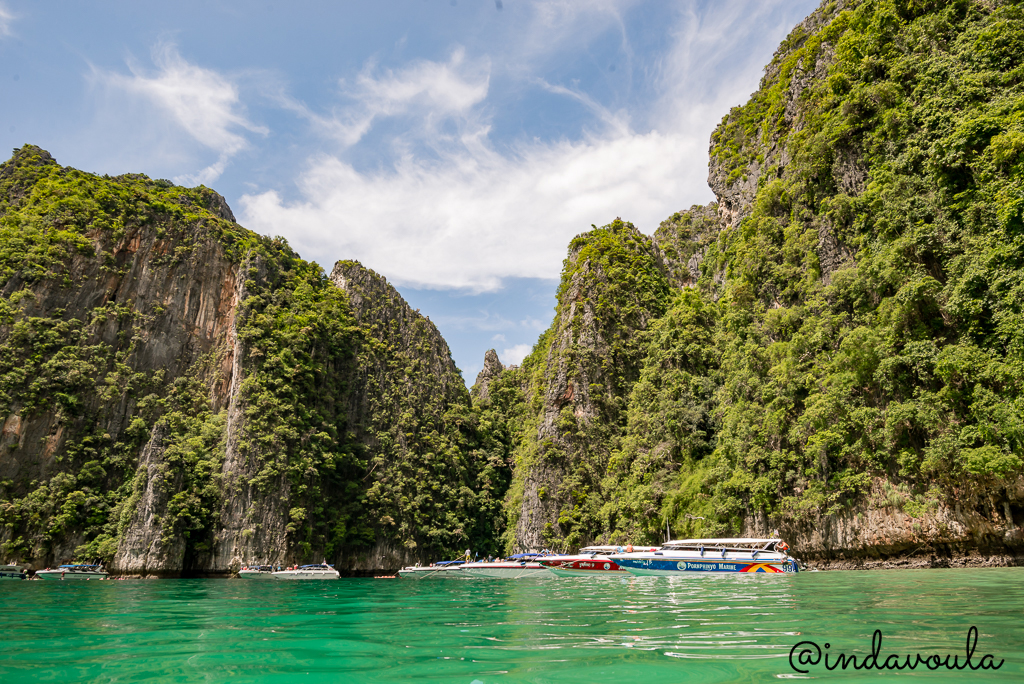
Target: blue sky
(454,146)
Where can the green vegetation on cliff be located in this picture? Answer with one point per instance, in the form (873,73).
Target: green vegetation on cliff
(156,359)
(874,329)
(69,352)
(854,337)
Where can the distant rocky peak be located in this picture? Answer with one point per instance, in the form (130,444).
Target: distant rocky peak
(492,369)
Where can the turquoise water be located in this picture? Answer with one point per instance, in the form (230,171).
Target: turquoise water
(699,628)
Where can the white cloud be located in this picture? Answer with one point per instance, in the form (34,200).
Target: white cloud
(6,20)
(476,216)
(202,102)
(515,355)
(431,91)
(468,215)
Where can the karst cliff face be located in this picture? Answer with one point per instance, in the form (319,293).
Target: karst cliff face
(838,355)
(833,349)
(183,396)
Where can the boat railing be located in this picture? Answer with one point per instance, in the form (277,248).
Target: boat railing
(724,546)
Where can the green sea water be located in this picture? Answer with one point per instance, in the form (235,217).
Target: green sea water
(699,628)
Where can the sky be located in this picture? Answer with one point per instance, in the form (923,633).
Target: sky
(453,146)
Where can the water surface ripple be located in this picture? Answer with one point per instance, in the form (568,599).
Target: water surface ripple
(699,628)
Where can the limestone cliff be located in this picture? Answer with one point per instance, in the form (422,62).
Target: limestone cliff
(182,396)
(613,284)
(834,360)
(406,403)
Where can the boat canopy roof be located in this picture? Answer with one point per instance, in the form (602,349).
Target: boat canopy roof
(612,549)
(737,541)
(452,562)
(525,555)
(318,565)
(83,566)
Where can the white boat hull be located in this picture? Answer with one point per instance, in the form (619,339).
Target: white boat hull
(254,574)
(531,571)
(306,575)
(59,575)
(423,573)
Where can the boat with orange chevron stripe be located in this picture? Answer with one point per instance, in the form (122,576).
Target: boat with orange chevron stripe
(710,555)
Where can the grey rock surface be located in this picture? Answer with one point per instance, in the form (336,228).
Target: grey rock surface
(491,370)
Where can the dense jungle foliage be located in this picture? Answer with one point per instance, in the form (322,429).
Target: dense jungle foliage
(854,338)
(437,468)
(613,283)
(797,385)
(76,371)
(73,369)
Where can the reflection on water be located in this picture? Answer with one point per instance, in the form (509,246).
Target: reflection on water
(702,628)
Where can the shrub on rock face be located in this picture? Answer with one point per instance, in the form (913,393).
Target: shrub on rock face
(181,393)
(856,319)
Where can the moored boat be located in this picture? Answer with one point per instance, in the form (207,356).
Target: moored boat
(442,569)
(711,555)
(256,572)
(589,562)
(12,572)
(323,571)
(519,566)
(78,571)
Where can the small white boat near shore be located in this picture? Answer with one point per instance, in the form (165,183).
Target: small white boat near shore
(442,569)
(73,572)
(256,572)
(323,571)
(519,566)
(13,572)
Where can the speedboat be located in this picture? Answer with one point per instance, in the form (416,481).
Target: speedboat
(590,561)
(710,555)
(12,572)
(73,572)
(443,569)
(323,571)
(256,572)
(519,566)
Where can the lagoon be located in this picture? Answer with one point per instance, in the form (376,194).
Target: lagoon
(702,628)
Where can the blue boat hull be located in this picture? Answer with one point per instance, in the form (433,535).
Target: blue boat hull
(676,566)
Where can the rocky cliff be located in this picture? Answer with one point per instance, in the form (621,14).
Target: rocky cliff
(833,349)
(183,396)
(839,357)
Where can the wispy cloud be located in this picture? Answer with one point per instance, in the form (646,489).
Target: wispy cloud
(475,216)
(430,92)
(203,103)
(6,20)
(514,356)
(471,213)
